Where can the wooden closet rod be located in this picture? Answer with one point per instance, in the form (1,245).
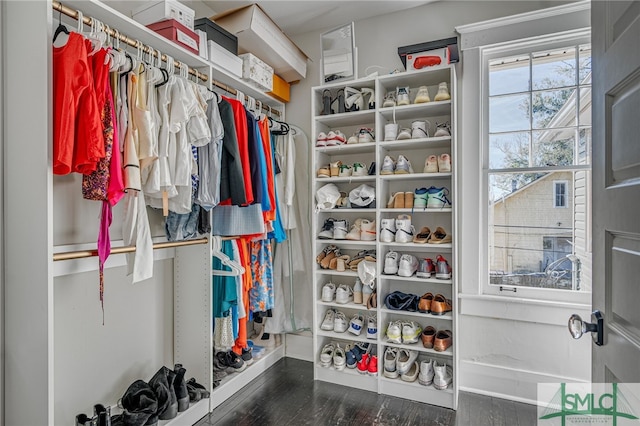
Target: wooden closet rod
(129,249)
(72,13)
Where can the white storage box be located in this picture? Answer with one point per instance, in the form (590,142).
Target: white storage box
(224,59)
(256,71)
(155,11)
(257,33)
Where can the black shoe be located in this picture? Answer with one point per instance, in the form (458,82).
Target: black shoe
(247,357)
(140,403)
(326,103)
(102,414)
(204,393)
(372,169)
(83,420)
(180,387)
(235,363)
(162,385)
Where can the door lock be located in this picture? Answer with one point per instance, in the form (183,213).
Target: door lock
(577,327)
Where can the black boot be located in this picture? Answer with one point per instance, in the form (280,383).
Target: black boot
(180,387)
(204,393)
(83,420)
(102,414)
(140,403)
(162,385)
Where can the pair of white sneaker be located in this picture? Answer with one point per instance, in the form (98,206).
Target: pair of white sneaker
(431,372)
(361,230)
(343,293)
(405,265)
(399,230)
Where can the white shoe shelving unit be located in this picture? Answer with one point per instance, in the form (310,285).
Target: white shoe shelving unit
(416,151)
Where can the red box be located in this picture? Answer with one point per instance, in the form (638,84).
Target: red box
(178,33)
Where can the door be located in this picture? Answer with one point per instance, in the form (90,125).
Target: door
(616,188)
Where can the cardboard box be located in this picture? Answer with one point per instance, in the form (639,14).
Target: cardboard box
(281,89)
(225,59)
(178,33)
(432,54)
(218,34)
(156,11)
(256,71)
(258,34)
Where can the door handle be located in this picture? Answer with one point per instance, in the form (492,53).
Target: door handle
(577,327)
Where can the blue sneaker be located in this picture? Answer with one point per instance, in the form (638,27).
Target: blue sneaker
(437,198)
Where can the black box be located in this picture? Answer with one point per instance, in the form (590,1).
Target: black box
(450,43)
(217,34)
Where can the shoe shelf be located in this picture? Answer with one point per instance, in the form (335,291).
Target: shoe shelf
(421,247)
(353,148)
(416,151)
(407,176)
(347,118)
(416,314)
(192,415)
(435,142)
(419,348)
(414,211)
(415,279)
(347,179)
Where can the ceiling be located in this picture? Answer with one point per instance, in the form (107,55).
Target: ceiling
(297,17)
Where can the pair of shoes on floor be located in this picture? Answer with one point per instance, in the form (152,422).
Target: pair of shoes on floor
(398,230)
(439,341)
(437,164)
(400,167)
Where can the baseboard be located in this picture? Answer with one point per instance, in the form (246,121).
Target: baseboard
(299,346)
(505,382)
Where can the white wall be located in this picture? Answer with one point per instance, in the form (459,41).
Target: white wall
(500,356)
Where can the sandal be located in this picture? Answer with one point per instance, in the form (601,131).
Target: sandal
(372,301)
(354,100)
(326,102)
(323,172)
(324,263)
(325,252)
(439,236)
(334,168)
(333,264)
(423,236)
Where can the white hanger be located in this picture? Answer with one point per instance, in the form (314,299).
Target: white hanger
(216,250)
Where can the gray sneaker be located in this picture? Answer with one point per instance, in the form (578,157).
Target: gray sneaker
(403,166)
(388,166)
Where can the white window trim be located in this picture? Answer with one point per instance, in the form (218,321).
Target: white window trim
(478,42)
(555,194)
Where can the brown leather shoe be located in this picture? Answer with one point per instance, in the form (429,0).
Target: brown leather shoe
(443,340)
(440,305)
(427,336)
(424,305)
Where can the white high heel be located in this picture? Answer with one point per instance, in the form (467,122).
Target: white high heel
(353,99)
(372,99)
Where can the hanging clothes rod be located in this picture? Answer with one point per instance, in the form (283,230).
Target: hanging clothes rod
(80,254)
(72,13)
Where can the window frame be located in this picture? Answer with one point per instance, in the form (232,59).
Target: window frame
(486,55)
(565,184)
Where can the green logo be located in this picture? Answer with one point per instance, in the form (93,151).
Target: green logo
(606,406)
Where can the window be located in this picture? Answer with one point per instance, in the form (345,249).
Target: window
(559,193)
(538,165)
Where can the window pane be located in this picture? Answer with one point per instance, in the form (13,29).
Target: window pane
(554,69)
(509,75)
(584,64)
(584,146)
(529,239)
(553,147)
(509,150)
(508,113)
(554,108)
(584,118)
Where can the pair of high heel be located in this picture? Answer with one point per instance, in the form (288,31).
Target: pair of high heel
(347,100)
(101,417)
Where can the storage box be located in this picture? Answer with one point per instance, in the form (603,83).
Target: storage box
(433,54)
(257,33)
(203,49)
(218,34)
(155,11)
(178,33)
(256,71)
(225,59)
(281,89)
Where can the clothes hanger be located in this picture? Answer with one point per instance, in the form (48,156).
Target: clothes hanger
(216,250)
(61,27)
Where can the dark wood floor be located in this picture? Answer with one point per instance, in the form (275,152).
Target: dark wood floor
(287,395)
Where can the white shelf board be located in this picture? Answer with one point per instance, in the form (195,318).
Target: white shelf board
(346,335)
(347,210)
(336,273)
(236,381)
(427,76)
(339,243)
(416,392)
(417,386)
(348,179)
(354,148)
(414,279)
(347,118)
(412,176)
(420,211)
(448,317)
(347,377)
(418,347)
(359,83)
(417,111)
(349,305)
(439,142)
(192,415)
(420,247)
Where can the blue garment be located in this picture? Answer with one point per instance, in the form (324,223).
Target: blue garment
(180,227)
(254,158)
(278,232)
(266,202)
(225,292)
